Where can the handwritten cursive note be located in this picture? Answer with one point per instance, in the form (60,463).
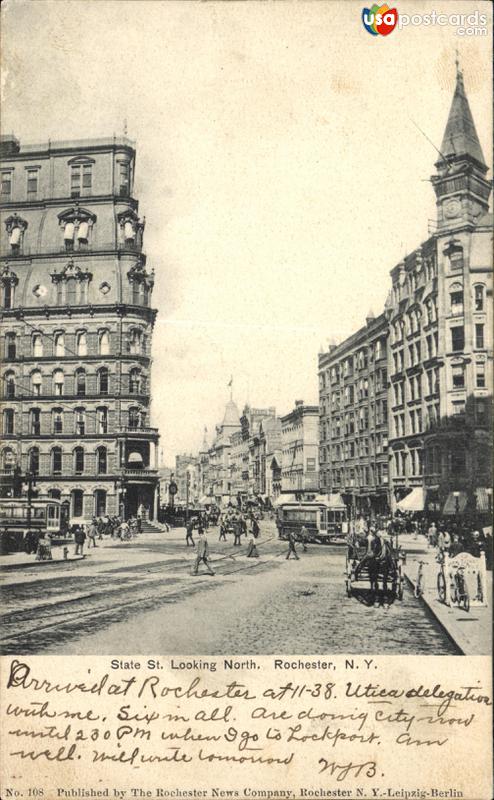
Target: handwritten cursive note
(150,728)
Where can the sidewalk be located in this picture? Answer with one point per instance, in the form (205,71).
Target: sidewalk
(471,631)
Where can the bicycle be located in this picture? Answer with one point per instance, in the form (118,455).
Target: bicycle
(441,578)
(420,583)
(459,594)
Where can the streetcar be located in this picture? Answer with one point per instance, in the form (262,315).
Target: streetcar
(324,518)
(20,518)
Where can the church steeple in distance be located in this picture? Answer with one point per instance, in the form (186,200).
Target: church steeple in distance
(461,189)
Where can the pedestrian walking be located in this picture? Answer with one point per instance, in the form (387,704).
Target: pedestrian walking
(304,537)
(237,533)
(432,535)
(91,534)
(202,554)
(291,546)
(255,528)
(189,539)
(80,538)
(222,532)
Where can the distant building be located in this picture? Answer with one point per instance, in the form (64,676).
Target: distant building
(300,449)
(77,322)
(185,476)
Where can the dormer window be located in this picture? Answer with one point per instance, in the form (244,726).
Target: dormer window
(68,236)
(77,225)
(15,226)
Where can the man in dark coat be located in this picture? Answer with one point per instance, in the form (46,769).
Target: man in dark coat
(79,538)
(189,529)
(291,545)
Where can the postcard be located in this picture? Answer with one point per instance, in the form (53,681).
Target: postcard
(246,400)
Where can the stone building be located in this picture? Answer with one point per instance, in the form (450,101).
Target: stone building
(300,449)
(353,430)
(438,325)
(186,476)
(75,296)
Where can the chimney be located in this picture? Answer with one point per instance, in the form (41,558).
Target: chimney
(298,403)
(9,145)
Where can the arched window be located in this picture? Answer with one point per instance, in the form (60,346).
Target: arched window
(77,497)
(80,421)
(104,343)
(56,461)
(33,460)
(134,417)
(8,421)
(99,502)
(79,460)
(55,494)
(101,461)
(58,382)
(103,380)
(35,422)
(135,380)
(479,291)
(102,420)
(37,345)
(10,346)
(135,341)
(9,381)
(8,459)
(59,344)
(36,382)
(80,382)
(82,344)
(57,417)
(456,298)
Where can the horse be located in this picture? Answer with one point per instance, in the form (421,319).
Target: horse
(382,563)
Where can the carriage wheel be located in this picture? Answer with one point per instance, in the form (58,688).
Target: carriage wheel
(441,587)
(400,589)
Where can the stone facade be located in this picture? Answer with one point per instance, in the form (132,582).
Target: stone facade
(300,449)
(77,325)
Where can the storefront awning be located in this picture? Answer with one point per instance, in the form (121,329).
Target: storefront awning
(455,503)
(414,501)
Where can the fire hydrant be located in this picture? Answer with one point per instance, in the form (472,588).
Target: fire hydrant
(65,553)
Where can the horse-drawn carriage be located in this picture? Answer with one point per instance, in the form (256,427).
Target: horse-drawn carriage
(375,564)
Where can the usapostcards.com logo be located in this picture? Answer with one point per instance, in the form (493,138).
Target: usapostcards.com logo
(379,19)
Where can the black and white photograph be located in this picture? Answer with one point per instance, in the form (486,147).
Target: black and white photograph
(246,303)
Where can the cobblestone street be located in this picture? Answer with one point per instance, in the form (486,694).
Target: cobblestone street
(140,597)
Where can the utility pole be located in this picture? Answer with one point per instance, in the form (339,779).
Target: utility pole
(187,489)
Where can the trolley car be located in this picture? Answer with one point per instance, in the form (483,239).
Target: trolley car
(324,518)
(18,518)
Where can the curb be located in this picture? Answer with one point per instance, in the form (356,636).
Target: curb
(441,623)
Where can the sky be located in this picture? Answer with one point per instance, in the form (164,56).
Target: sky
(279,168)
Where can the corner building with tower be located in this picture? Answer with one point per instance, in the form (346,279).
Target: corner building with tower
(77,323)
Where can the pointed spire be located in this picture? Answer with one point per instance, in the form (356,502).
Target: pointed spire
(460,137)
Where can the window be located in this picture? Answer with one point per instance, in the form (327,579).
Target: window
(8,421)
(458,408)
(56,461)
(458,462)
(77,497)
(57,416)
(103,380)
(71,291)
(10,345)
(457,338)
(80,421)
(83,232)
(37,345)
(311,464)
(8,294)
(480,375)
(35,422)
(81,343)
(135,341)
(80,180)
(9,379)
(479,297)
(456,299)
(134,418)
(15,239)
(80,383)
(101,460)
(100,502)
(68,236)
(458,372)
(480,412)
(36,383)
(33,460)
(6,184)
(79,460)
(104,343)
(124,174)
(479,336)
(32,183)
(58,382)
(59,344)
(102,420)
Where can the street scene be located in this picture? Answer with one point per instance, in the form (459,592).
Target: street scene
(236,417)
